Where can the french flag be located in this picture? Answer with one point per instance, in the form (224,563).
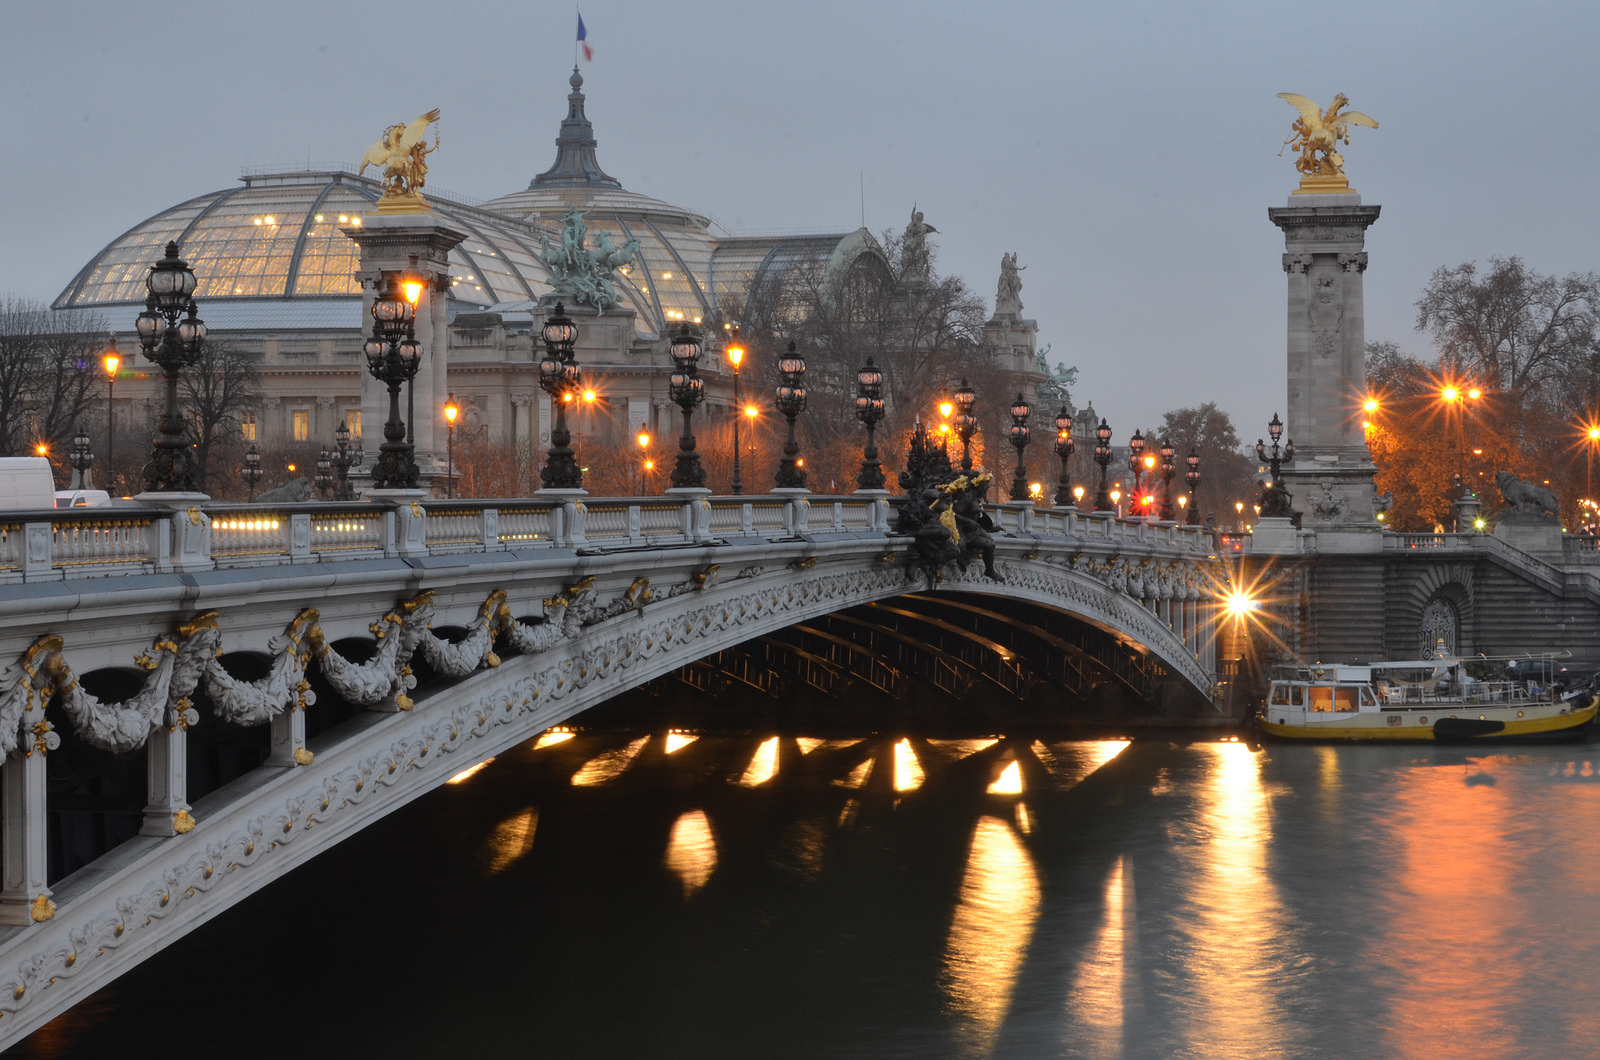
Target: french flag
(583,40)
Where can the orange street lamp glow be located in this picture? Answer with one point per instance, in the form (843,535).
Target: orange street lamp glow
(1149,462)
(293,468)
(1371,404)
(751,411)
(1594,434)
(112,360)
(413,290)
(946,407)
(644,439)
(736,354)
(1474,394)
(42,449)
(588,395)
(451,411)
(1450,393)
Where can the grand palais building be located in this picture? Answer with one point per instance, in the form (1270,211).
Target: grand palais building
(277,275)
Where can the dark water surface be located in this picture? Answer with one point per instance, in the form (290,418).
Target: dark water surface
(600,897)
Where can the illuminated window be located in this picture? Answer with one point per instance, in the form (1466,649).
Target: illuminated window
(352,419)
(247,426)
(302,424)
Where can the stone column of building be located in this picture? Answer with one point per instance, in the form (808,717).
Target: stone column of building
(414,245)
(1331,477)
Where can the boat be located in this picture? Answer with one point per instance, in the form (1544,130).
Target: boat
(1434,700)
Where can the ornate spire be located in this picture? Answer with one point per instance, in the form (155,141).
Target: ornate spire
(575,161)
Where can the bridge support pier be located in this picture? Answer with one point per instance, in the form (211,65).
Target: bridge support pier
(22,805)
(167,812)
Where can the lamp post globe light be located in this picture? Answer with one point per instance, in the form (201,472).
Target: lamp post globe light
(393,357)
(560,377)
(343,460)
(324,477)
(791,401)
(1136,465)
(1168,465)
(172,344)
(966,423)
(1191,479)
(1102,456)
(251,472)
(735,351)
(869,410)
(1275,500)
(1019,439)
(1064,448)
(82,458)
(687,389)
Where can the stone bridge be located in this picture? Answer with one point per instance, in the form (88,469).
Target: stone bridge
(384,647)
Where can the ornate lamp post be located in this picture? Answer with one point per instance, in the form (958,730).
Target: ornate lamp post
(343,461)
(1168,465)
(1102,456)
(869,410)
(1136,466)
(688,390)
(966,423)
(451,411)
(324,477)
(111,360)
(82,457)
(1064,448)
(560,377)
(393,356)
(1019,438)
(251,472)
(172,345)
(1191,478)
(1275,500)
(791,401)
(736,357)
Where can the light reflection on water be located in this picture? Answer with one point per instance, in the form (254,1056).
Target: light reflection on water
(1336,903)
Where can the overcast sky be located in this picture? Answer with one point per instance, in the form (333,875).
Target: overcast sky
(1125,152)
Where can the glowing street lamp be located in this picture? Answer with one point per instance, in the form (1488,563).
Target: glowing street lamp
(111,360)
(735,352)
(1020,410)
(393,357)
(1593,436)
(1102,456)
(1168,464)
(560,375)
(1191,478)
(1275,500)
(1064,447)
(869,410)
(687,389)
(966,422)
(791,401)
(451,411)
(173,345)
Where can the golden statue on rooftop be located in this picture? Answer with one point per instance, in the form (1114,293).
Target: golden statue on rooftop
(402,152)
(1316,135)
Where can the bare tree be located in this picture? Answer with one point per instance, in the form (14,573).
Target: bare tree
(222,383)
(47,366)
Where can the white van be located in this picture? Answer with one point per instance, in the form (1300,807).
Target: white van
(82,499)
(26,483)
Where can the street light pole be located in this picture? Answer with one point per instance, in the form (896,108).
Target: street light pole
(393,357)
(560,376)
(869,410)
(736,357)
(791,401)
(111,359)
(1168,453)
(966,423)
(451,411)
(1191,478)
(1275,500)
(1019,439)
(1102,456)
(82,458)
(687,389)
(1064,447)
(252,472)
(172,345)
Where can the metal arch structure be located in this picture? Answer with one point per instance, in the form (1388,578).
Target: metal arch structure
(552,607)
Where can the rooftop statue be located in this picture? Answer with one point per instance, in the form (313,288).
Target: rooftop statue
(1317,135)
(1008,297)
(402,152)
(578,275)
(914,261)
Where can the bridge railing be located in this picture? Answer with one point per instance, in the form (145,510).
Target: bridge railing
(92,542)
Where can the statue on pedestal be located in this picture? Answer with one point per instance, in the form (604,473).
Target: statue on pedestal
(402,153)
(1008,296)
(914,261)
(578,275)
(1316,135)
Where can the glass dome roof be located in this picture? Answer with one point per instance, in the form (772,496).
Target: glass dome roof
(271,253)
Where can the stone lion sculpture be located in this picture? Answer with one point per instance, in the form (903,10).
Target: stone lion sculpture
(1524,497)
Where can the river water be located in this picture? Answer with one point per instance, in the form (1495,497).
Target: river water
(757,897)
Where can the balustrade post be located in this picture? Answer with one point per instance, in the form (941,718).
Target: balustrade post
(191,539)
(491,529)
(702,520)
(747,519)
(36,543)
(635,525)
(410,528)
(574,523)
(289,738)
(167,783)
(24,892)
(300,536)
(797,518)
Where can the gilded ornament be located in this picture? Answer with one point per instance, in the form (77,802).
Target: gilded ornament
(302,757)
(183,824)
(41,910)
(1316,136)
(402,152)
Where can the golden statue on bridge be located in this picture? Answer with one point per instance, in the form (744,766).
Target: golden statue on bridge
(402,153)
(1316,135)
